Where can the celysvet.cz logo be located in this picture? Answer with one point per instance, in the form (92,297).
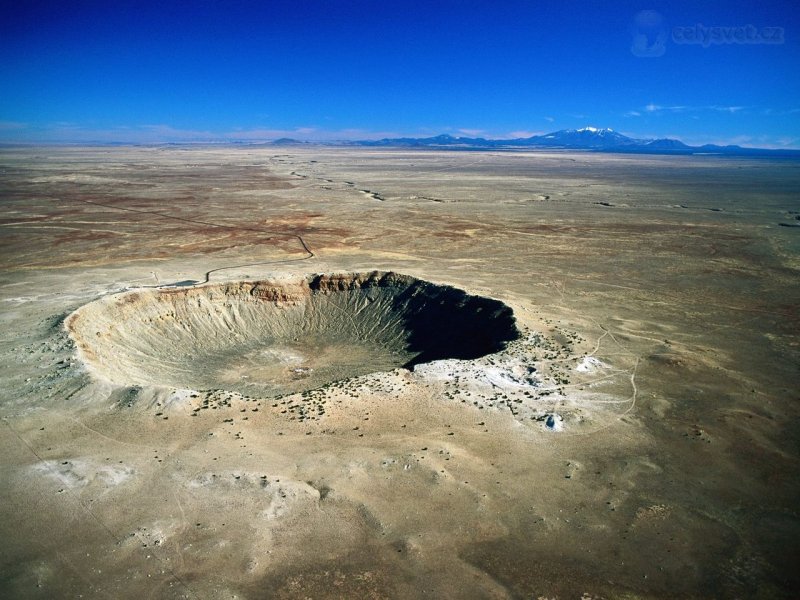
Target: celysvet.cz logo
(651,35)
(746,34)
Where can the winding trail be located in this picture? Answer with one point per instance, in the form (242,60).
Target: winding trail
(282,234)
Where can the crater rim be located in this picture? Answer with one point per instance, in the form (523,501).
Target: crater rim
(267,337)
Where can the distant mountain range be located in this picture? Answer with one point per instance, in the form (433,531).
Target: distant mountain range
(587,138)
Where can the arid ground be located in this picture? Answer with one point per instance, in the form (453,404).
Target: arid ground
(188,411)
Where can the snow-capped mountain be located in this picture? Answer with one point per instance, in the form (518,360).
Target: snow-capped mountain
(586,138)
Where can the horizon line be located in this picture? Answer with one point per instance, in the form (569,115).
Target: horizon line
(20,133)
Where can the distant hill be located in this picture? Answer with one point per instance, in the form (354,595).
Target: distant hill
(286,142)
(667,144)
(586,138)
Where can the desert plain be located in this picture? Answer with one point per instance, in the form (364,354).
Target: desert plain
(330,372)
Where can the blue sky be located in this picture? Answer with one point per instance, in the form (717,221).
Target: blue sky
(244,69)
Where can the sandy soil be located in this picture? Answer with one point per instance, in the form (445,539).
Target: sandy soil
(638,440)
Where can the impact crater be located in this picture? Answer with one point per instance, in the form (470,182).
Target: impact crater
(286,335)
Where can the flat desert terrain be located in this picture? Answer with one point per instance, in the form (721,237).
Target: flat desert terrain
(316,372)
